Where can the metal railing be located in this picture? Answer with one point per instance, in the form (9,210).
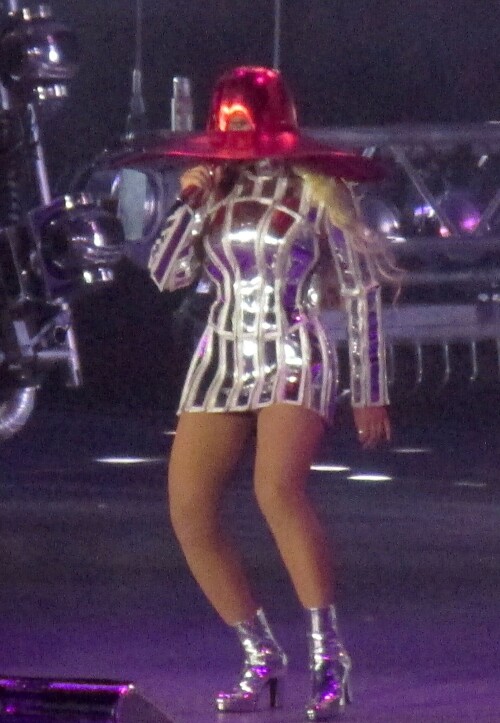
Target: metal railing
(434,161)
(442,199)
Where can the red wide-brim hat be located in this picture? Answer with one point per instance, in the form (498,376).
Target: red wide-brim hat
(297,148)
(261,98)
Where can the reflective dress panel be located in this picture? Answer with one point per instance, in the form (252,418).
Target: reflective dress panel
(263,342)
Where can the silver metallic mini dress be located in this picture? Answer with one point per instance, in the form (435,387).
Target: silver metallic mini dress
(261,245)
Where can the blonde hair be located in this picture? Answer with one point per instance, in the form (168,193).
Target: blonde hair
(343,210)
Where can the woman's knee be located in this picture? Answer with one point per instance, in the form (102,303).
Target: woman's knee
(278,499)
(193,520)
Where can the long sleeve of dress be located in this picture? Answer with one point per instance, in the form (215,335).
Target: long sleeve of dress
(362,297)
(173,262)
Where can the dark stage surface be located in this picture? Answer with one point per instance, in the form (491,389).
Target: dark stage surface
(93,585)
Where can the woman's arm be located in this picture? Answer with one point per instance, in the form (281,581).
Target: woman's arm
(174,261)
(361,292)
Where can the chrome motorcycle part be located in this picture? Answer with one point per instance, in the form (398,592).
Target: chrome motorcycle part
(38,55)
(16,407)
(142,203)
(11,168)
(79,241)
(50,253)
(137,119)
(181,116)
(140,199)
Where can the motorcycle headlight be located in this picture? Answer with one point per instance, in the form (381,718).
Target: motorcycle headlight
(141,200)
(79,240)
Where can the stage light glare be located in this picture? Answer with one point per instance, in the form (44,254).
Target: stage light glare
(462,211)
(424,211)
(411,450)
(369,477)
(420,217)
(128,460)
(329,468)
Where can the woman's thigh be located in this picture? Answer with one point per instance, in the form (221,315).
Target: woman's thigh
(288,437)
(205,451)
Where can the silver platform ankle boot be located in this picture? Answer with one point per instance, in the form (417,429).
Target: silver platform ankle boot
(261,680)
(330,666)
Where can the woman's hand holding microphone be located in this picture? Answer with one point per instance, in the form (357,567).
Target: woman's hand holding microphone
(197,183)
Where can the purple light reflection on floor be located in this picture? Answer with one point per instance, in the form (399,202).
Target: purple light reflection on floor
(95,589)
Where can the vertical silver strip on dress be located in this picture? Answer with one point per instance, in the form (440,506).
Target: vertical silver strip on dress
(229,278)
(278,187)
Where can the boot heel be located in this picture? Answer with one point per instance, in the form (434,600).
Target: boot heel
(268,694)
(264,667)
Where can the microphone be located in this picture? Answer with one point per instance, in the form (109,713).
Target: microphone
(194,195)
(191,196)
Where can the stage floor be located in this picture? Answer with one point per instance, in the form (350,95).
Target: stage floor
(93,584)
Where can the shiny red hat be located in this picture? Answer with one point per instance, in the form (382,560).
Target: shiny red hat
(253,116)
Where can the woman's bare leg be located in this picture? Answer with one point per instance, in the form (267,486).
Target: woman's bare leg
(205,451)
(287,439)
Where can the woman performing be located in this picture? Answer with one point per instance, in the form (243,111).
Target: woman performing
(261,210)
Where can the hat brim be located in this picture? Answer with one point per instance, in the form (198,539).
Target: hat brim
(226,147)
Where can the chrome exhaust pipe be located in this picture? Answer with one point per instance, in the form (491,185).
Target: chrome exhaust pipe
(15,412)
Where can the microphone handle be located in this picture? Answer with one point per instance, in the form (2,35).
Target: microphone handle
(191,196)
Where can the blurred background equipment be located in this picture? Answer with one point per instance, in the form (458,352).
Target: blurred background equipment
(51,250)
(439,208)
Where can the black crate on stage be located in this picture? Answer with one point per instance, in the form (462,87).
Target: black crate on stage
(45,700)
